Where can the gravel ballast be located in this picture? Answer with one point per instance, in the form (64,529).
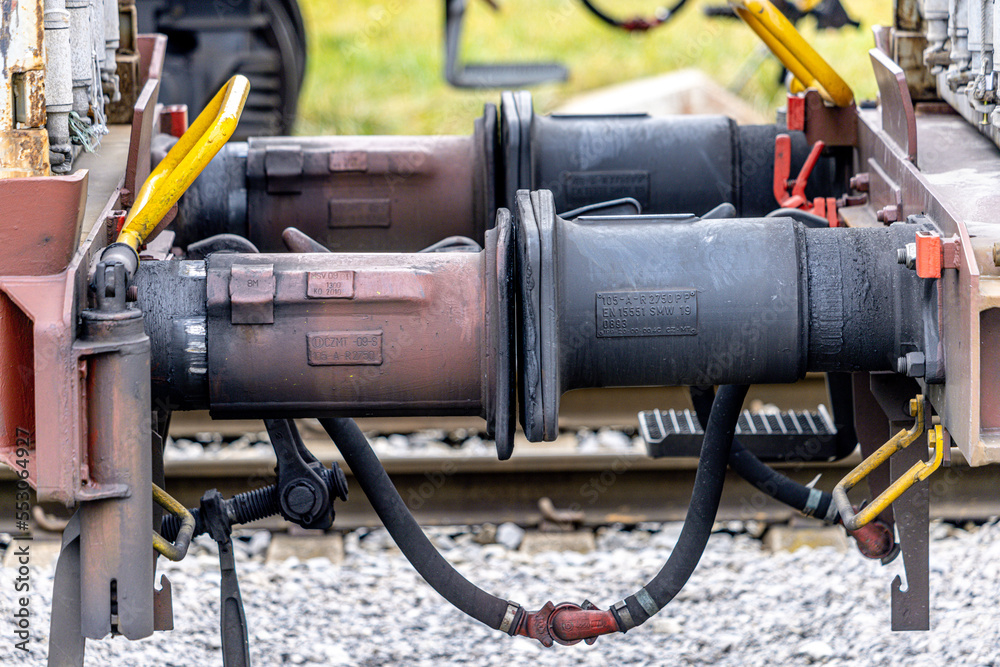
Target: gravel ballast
(743,606)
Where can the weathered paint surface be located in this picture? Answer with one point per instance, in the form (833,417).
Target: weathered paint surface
(24,143)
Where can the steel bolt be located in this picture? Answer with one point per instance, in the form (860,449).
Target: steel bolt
(300,499)
(860,182)
(914,365)
(907,255)
(888,214)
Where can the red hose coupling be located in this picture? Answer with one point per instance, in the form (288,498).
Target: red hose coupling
(566,623)
(875,540)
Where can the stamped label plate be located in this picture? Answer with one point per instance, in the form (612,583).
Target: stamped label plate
(330,285)
(344,348)
(668,312)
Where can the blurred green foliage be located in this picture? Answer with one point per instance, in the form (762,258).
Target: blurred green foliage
(377,67)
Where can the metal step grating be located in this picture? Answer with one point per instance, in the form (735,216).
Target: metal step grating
(787,435)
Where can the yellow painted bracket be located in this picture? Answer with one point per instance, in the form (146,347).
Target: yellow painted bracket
(795,53)
(193,151)
(917,473)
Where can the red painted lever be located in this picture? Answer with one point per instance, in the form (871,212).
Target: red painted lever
(783,170)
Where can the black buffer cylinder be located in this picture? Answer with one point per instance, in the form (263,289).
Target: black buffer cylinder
(674,300)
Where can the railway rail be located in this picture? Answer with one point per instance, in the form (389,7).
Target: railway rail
(605,487)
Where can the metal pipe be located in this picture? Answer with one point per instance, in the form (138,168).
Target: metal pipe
(958,31)
(82,54)
(112,39)
(58,82)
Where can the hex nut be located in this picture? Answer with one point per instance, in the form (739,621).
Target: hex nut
(860,182)
(916,364)
(907,255)
(888,214)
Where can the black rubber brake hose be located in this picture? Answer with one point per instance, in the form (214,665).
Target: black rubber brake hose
(405,531)
(498,613)
(709,479)
(638,23)
(811,502)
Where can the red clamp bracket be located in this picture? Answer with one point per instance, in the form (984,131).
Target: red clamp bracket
(935,253)
(566,623)
(826,207)
(795,116)
(783,171)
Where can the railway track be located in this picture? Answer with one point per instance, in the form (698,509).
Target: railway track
(468,485)
(607,487)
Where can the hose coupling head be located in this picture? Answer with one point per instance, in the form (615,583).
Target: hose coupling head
(875,539)
(566,623)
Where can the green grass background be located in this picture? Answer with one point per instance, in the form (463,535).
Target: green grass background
(377,67)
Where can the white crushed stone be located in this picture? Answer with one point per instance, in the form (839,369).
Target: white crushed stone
(743,606)
(510,535)
(428,442)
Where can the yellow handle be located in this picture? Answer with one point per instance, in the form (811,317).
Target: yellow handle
(182,542)
(795,53)
(193,151)
(917,473)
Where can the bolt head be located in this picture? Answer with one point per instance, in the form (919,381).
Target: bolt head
(300,499)
(888,214)
(914,365)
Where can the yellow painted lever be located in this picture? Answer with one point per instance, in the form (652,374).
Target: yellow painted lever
(917,473)
(795,53)
(193,151)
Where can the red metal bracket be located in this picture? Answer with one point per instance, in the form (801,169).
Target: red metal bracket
(795,117)
(174,119)
(935,253)
(826,207)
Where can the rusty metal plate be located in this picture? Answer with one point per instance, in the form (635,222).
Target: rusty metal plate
(898,119)
(251,292)
(348,161)
(344,348)
(330,285)
(42,222)
(359,213)
(424,313)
